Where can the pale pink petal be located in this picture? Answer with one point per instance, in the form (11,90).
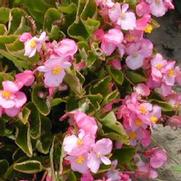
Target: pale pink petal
(20,99)
(53,80)
(108,48)
(103,146)
(5,103)
(105,160)
(10,86)
(134,61)
(93,162)
(12,112)
(69,143)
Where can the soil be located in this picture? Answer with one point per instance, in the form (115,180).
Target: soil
(167,39)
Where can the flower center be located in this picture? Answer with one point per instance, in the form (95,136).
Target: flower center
(171,73)
(159,66)
(33,44)
(132,135)
(6,94)
(138,122)
(148,29)
(56,70)
(143,109)
(80,142)
(154,119)
(80,160)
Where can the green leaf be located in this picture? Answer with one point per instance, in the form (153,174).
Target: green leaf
(4,15)
(4,166)
(115,128)
(135,77)
(101,87)
(56,33)
(117,75)
(29,167)
(41,104)
(56,102)
(89,9)
(3,29)
(44,142)
(124,155)
(7,39)
(68,9)
(23,139)
(110,97)
(72,176)
(16,19)
(24,115)
(19,63)
(91,25)
(34,120)
(36,9)
(51,15)
(78,31)
(73,82)
(166,107)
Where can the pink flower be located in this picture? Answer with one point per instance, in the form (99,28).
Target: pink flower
(87,177)
(34,44)
(25,37)
(54,71)
(120,15)
(142,90)
(104,3)
(160,7)
(142,9)
(111,40)
(85,122)
(25,78)
(11,99)
(175,121)
(65,48)
(158,64)
(137,52)
(78,163)
(178,75)
(98,154)
(78,145)
(169,73)
(145,171)
(157,156)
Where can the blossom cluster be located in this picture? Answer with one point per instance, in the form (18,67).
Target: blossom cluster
(121,41)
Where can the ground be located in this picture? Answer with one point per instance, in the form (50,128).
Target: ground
(167,40)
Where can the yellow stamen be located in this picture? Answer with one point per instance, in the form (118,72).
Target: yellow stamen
(143,109)
(132,135)
(159,66)
(56,70)
(148,29)
(138,122)
(33,44)
(171,73)
(80,142)
(80,160)
(154,119)
(6,94)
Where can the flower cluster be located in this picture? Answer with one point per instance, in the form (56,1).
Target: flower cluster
(83,151)
(11,98)
(111,87)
